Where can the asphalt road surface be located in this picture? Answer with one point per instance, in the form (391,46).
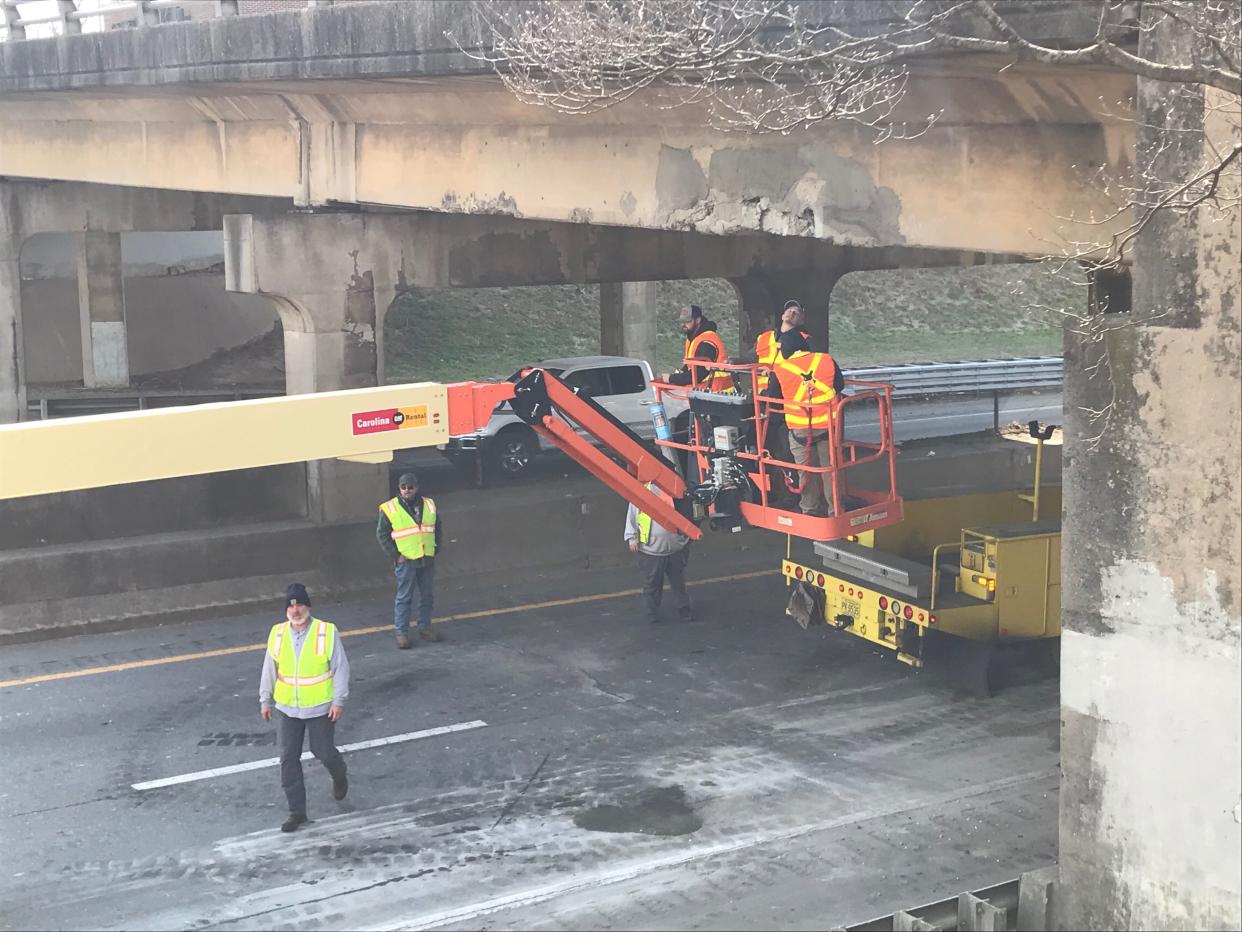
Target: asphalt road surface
(556,764)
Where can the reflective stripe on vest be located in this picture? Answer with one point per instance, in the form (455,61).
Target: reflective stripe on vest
(644,519)
(766,347)
(806,380)
(716,380)
(302,680)
(413,540)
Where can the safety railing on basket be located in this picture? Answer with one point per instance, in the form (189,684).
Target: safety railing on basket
(728,433)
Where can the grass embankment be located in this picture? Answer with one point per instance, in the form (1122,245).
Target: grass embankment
(915,315)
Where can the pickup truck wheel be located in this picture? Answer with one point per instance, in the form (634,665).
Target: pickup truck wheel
(512,451)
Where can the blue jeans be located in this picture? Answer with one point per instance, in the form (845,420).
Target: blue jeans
(413,575)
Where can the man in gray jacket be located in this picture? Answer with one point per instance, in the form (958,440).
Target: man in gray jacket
(661,553)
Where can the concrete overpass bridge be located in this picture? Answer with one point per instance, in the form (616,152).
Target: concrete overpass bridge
(350,151)
(311,122)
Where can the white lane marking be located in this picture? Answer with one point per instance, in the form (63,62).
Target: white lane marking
(306,755)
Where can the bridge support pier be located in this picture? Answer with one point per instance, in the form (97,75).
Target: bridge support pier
(12,377)
(763,294)
(325,296)
(101,302)
(627,319)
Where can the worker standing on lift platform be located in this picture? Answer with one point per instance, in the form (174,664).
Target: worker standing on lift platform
(808,383)
(702,343)
(768,343)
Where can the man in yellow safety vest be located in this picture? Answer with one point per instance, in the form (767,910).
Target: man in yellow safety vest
(305,679)
(661,553)
(410,531)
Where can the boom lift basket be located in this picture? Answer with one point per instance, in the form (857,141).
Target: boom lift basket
(859,478)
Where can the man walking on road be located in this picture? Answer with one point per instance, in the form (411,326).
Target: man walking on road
(410,531)
(306,677)
(661,553)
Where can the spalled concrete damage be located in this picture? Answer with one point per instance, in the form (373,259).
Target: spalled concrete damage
(218,114)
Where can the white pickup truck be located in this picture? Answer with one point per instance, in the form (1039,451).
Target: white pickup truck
(619,384)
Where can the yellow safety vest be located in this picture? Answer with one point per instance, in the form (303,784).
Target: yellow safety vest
(303,680)
(644,519)
(413,540)
(766,348)
(806,386)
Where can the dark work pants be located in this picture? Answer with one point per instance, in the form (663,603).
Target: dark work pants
(654,570)
(289,734)
(414,576)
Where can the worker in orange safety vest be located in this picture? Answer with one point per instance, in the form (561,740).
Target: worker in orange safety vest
(768,343)
(702,343)
(808,383)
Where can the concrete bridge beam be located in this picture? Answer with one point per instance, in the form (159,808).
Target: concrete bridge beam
(101,301)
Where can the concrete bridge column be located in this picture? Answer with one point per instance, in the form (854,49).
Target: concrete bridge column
(12,376)
(101,301)
(762,295)
(627,319)
(318,360)
(324,293)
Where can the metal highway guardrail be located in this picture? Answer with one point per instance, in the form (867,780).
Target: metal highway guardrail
(76,404)
(952,378)
(919,380)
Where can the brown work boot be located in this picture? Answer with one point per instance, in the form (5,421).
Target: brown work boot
(428,635)
(403,641)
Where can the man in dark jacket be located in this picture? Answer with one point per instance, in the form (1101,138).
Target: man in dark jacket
(410,531)
(702,342)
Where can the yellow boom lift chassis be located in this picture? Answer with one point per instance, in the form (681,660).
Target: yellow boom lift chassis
(982,568)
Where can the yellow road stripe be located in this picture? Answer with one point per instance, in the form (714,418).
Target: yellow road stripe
(462,616)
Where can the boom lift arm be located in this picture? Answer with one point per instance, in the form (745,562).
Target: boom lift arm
(539,396)
(360,425)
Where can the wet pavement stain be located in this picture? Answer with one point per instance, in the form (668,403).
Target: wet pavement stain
(658,811)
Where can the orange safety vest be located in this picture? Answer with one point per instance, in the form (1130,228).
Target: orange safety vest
(806,387)
(767,348)
(715,380)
